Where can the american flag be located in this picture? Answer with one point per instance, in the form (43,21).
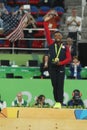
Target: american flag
(17,33)
(10,22)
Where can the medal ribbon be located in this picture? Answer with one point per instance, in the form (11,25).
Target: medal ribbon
(58,50)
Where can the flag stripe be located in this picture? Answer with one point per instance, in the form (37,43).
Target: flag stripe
(12,36)
(17,34)
(19,27)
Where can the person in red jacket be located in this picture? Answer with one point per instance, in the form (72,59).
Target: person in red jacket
(59,56)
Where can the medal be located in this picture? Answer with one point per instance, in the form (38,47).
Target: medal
(56,59)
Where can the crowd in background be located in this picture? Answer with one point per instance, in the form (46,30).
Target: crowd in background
(10,16)
(13,12)
(40,101)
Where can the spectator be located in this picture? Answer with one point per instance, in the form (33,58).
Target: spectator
(44,69)
(19,101)
(76,100)
(53,21)
(75,68)
(69,43)
(40,102)
(17,16)
(3,9)
(30,23)
(2,104)
(1,22)
(30,33)
(19,13)
(1,28)
(59,56)
(73,23)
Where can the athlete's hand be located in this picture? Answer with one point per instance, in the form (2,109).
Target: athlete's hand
(58,63)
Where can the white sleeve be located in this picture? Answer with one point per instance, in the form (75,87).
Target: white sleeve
(4,105)
(12,104)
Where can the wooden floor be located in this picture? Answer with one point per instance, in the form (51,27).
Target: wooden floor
(40,119)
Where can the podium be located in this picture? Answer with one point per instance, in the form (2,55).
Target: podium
(41,119)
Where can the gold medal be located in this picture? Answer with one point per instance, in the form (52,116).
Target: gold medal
(56,59)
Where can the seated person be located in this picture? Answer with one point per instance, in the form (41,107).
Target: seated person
(40,102)
(75,68)
(44,67)
(2,104)
(19,101)
(76,99)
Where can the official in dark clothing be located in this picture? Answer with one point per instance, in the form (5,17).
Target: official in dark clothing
(59,56)
(76,100)
(44,67)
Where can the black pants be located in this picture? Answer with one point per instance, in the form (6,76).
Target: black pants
(73,35)
(57,76)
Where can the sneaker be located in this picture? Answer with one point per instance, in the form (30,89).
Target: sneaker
(57,105)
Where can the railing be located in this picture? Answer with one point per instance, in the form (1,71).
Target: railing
(13,48)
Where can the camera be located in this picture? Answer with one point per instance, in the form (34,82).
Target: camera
(26,7)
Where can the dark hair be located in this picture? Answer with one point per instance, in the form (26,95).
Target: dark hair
(75,57)
(41,96)
(58,32)
(76,90)
(76,94)
(44,57)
